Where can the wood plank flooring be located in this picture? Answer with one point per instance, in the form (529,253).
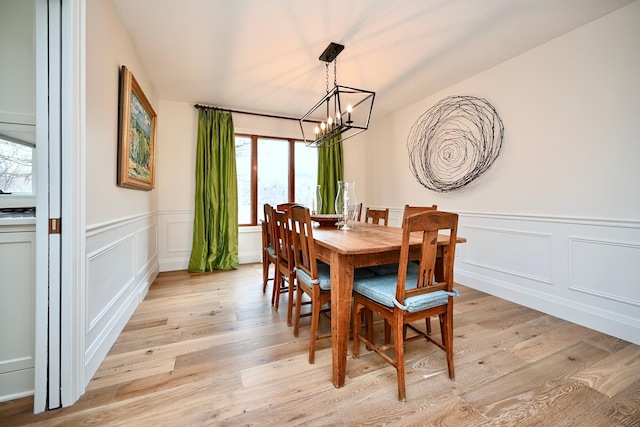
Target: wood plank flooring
(208,349)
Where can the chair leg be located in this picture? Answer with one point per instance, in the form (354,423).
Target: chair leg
(315,320)
(428,323)
(447,336)
(357,319)
(296,325)
(399,347)
(277,283)
(387,332)
(368,316)
(290,302)
(265,273)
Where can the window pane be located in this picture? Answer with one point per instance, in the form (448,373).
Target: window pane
(273,172)
(16,168)
(306,173)
(243,167)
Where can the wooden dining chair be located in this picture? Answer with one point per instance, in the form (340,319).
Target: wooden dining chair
(377,215)
(284,207)
(410,296)
(314,278)
(358,215)
(285,274)
(268,248)
(410,210)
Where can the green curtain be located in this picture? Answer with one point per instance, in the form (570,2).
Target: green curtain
(215,223)
(330,171)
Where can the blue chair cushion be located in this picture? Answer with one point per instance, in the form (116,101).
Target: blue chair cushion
(324,276)
(382,289)
(386,269)
(271,251)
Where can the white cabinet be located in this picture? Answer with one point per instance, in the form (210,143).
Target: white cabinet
(17,317)
(17,73)
(17,54)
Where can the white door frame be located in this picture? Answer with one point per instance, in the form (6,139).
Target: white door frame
(60,138)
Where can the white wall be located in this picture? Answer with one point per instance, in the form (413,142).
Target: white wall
(121,234)
(108,48)
(555,223)
(570,110)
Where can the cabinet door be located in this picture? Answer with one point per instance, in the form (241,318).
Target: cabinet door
(17,73)
(17,325)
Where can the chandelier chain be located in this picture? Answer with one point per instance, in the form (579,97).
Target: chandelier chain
(335,72)
(327,70)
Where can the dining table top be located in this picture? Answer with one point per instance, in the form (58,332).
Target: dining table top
(366,238)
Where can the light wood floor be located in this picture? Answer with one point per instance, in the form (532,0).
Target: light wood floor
(208,349)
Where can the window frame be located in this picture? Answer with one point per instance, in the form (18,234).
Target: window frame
(254,172)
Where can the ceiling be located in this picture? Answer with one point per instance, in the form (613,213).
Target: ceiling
(262,55)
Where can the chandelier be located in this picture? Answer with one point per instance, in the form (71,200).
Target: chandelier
(342,113)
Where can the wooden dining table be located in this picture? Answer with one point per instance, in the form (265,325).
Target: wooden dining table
(362,246)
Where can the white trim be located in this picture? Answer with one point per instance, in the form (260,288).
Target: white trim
(615,243)
(606,222)
(546,236)
(73,385)
(55,200)
(594,221)
(101,227)
(42,206)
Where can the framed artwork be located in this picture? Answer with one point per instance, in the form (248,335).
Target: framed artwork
(137,135)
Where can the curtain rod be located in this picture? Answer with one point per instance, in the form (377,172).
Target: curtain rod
(207,107)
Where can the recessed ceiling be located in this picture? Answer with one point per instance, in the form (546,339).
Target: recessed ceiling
(262,55)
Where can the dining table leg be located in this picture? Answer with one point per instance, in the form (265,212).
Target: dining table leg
(341,287)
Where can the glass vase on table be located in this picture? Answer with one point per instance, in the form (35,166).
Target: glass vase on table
(346,204)
(316,202)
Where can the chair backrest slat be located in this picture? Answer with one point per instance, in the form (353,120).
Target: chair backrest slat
(377,215)
(410,210)
(268,227)
(303,244)
(282,237)
(284,207)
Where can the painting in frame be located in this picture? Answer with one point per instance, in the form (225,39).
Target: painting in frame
(137,135)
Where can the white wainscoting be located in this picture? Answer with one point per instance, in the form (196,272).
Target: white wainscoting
(176,235)
(121,263)
(586,271)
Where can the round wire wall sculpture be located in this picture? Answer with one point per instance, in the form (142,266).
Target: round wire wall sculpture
(454,142)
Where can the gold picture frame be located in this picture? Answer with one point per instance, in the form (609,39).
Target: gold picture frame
(137,136)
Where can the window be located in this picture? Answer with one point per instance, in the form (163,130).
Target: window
(273,170)
(16,173)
